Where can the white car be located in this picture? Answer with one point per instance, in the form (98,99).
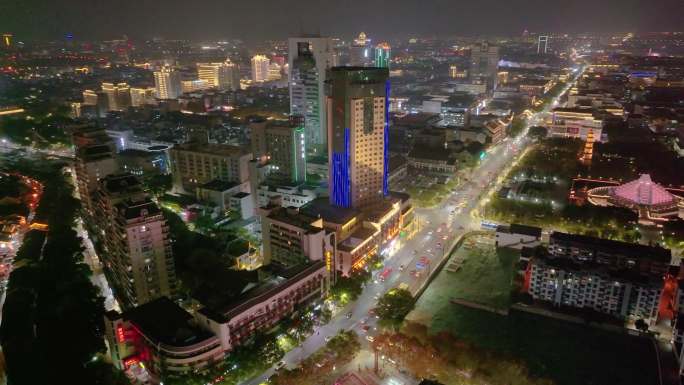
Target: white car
(370,338)
(280,365)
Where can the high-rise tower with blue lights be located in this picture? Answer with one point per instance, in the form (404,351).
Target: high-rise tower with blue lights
(357,135)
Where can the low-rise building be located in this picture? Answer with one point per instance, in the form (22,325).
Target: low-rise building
(576,123)
(294,195)
(435,159)
(162,338)
(220,193)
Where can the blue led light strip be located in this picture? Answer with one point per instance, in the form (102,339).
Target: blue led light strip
(385,150)
(341,184)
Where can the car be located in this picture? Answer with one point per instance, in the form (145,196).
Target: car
(401,267)
(370,338)
(328,338)
(349,315)
(365,328)
(280,365)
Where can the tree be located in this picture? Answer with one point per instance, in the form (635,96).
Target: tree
(538,132)
(349,288)
(159,184)
(394,306)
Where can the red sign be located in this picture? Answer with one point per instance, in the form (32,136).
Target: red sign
(120,334)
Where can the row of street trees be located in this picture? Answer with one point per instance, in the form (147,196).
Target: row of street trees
(450,361)
(52,330)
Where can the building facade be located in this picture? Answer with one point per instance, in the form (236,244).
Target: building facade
(621,279)
(382,55)
(484,63)
(94,160)
(282,145)
(357,100)
(197,163)
(223,76)
(260,68)
(308,60)
(137,256)
(167,82)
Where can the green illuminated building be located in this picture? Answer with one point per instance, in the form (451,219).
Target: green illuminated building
(382,55)
(281,144)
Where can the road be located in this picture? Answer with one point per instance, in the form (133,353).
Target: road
(444,223)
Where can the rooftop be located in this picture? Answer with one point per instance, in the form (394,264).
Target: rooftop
(321,208)
(260,293)
(294,218)
(167,323)
(218,185)
(431,153)
(133,209)
(212,149)
(615,247)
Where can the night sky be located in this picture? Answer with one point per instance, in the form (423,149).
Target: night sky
(261,19)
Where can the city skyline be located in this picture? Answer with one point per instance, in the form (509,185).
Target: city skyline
(214,19)
(440,192)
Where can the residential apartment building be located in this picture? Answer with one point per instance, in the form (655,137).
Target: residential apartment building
(291,238)
(196,163)
(94,160)
(617,278)
(137,256)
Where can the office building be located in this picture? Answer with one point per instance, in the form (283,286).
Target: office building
(94,160)
(141,96)
(382,55)
(118,96)
(223,76)
(197,163)
(357,135)
(282,145)
(484,63)
(260,68)
(360,54)
(309,59)
(167,82)
(542,45)
(136,256)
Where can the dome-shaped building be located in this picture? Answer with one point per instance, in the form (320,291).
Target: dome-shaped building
(650,200)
